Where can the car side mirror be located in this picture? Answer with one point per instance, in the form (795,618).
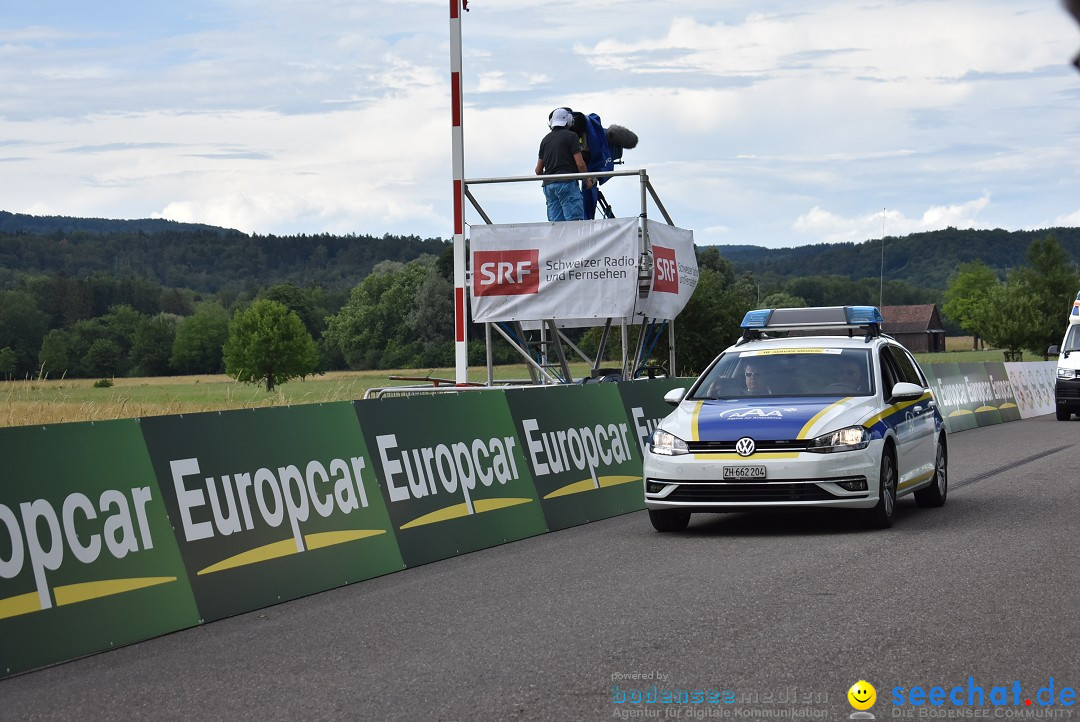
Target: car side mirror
(1053,351)
(904,391)
(675,396)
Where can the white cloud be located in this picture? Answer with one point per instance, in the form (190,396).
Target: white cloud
(1069,220)
(832,228)
(279,116)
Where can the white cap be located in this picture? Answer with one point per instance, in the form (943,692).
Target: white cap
(561,117)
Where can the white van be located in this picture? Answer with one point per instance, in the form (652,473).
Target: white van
(1067,388)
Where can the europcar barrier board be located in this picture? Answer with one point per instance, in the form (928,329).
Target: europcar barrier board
(970,395)
(452,473)
(583,456)
(645,407)
(115,532)
(88,560)
(271,504)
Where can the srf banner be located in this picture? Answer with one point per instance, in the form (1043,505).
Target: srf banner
(87,555)
(569,270)
(583,453)
(452,473)
(675,271)
(271,504)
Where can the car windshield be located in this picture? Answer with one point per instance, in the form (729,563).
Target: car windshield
(788,372)
(1072,339)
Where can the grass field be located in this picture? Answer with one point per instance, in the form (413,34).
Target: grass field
(33,402)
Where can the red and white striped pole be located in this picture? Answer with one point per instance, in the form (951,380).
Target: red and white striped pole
(461,346)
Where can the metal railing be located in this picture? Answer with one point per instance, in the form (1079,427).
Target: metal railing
(550,335)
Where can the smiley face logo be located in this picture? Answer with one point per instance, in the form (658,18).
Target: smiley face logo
(862,695)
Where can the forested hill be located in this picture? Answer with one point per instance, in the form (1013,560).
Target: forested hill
(209,259)
(20,223)
(922,259)
(198,257)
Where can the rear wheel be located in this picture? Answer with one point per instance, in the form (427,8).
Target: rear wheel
(1062,413)
(669,519)
(881,516)
(934,495)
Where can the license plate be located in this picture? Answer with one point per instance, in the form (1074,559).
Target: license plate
(744,472)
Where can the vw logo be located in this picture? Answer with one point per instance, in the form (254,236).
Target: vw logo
(744,446)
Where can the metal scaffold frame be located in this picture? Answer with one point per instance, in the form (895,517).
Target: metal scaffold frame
(546,357)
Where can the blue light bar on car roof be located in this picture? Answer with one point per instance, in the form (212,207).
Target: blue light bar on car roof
(757,319)
(863,315)
(790,319)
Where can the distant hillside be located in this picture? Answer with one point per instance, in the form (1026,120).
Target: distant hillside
(921,259)
(21,223)
(194,256)
(208,258)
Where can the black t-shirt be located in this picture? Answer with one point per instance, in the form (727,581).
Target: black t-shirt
(557,150)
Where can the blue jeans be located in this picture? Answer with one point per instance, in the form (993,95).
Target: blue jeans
(564,201)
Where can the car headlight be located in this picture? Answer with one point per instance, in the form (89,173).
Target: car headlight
(851,438)
(668,444)
(1066,374)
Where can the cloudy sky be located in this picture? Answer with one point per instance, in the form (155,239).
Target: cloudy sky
(766,122)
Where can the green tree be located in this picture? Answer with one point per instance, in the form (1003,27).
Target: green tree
(269,344)
(1014,312)
(1050,282)
(710,257)
(199,338)
(152,344)
(371,330)
(969,297)
(22,327)
(8,363)
(710,321)
(782,300)
(103,358)
(431,319)
(56,360)
(305,302)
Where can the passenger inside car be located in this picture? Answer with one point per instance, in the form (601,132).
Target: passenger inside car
(848,376)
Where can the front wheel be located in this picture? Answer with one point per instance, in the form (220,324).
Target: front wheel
(881,516)
(669,519)
(1062,413)
(934,495)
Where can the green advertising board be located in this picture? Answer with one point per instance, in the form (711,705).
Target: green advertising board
(979,393)
(582,451)
(88,560)
(644,404)
(973,394)
(271,504)
(1000,391)
(952,395)
(452,473)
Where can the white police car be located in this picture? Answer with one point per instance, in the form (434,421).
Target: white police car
(838,421)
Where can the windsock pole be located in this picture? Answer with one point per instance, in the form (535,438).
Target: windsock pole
(461,346)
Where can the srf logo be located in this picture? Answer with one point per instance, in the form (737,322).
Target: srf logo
(506,273)
(666,274)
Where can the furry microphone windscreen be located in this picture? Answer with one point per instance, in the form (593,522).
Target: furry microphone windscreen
(620,136)
(1073,6)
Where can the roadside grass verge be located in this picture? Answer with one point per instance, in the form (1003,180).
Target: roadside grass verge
(51,401)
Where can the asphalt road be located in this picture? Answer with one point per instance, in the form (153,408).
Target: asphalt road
(785,611)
